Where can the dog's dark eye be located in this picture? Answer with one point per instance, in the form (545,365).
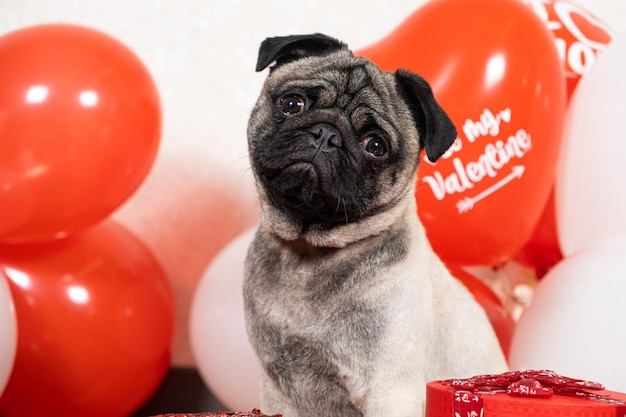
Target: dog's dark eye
(374,146)
(291,104)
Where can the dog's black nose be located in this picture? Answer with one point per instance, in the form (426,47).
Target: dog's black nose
(326,136)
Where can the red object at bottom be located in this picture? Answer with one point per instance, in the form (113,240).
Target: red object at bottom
(445,401)
(254,413)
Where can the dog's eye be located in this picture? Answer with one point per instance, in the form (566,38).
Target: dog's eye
(292,104)
(374,146)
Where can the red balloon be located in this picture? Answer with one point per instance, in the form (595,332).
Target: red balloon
(500,318)
(95,317)
(494,68)
(579,37)
(80,124)
(542,250)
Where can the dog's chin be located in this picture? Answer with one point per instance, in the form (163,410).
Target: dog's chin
(305,223)
(306,195)
(325,207)
(296,186)
(311,194)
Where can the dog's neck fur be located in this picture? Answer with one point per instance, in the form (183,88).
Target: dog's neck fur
(275,223)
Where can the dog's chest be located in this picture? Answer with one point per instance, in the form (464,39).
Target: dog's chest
(316,322)
(332,305)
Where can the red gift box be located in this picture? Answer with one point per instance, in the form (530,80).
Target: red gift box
(254,413)
(522,394)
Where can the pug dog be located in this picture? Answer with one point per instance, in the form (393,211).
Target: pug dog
(348,308)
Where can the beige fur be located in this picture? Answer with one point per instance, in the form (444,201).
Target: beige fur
(351,318)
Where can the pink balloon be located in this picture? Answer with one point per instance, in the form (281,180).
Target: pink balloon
(219,342)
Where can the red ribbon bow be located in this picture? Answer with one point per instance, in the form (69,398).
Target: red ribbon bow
(538,384)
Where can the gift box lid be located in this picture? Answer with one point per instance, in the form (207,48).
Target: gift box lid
(254,413)
(522,394)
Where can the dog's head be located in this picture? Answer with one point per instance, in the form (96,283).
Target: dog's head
(333,140)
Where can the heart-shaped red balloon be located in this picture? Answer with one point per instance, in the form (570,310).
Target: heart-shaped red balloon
(494,68)
(579,35)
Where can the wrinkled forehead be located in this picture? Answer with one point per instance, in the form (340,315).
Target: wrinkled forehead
(349,83)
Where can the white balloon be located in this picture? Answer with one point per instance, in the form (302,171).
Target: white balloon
(218,338)
(574,324)
(590,196)
(8,333)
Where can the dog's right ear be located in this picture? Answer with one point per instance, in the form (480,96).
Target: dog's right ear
(283,49)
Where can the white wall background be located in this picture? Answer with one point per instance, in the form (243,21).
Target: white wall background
(201,53)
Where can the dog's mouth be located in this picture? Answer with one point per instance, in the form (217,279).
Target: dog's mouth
(310,175)
(296,185)
(301,190)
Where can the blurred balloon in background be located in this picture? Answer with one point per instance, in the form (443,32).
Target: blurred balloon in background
(541,252)
(80,124)
(481,201)
(8,332)
(580,37)
(95,315)
(589,190)
(574,323)
(219,341)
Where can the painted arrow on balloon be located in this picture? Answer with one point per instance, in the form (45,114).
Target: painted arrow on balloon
(467,203)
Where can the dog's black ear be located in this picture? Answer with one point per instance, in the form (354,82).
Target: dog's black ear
(283,49)
(436,130)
